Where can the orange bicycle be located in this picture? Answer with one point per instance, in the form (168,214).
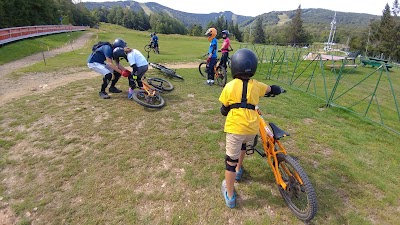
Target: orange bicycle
(219,72)
(293,182)
(150,94)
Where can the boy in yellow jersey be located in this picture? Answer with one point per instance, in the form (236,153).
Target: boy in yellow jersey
(239,98)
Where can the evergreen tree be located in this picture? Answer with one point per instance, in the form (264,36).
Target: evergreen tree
(237,33)
(3,21)
(258,32)
(396,8)
(296,32)
(196,30)
(387,34)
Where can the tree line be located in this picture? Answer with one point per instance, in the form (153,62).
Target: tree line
(17,13)
(161,22)
(380,38)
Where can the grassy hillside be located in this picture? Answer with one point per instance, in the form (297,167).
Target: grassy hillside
(69,157)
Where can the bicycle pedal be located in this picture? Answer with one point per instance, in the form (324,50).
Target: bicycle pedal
(250,151)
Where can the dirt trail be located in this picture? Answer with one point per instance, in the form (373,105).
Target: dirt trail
(43,82)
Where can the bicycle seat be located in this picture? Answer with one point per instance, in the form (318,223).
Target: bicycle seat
(278,132)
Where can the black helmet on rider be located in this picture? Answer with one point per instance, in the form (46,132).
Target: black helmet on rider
(225,34)
(119,52)
(119,43)
(243,64)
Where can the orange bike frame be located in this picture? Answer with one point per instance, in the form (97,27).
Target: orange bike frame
(269,145)
(150,90)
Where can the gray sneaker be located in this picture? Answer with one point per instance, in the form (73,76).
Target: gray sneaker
(104,95)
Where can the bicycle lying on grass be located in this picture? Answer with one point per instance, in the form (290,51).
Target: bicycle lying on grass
(167,71)
(219,72)
(150,95)
(293,182)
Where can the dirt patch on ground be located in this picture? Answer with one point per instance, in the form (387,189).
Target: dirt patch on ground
(42,82)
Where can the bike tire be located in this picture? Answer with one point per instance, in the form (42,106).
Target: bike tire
(160,84)
(203,69)
(142,97)
(301,198)
(171,73)
(147,48)
(221,76)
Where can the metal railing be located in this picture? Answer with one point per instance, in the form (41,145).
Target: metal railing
(12,34)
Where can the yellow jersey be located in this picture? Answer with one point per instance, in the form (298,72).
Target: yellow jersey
(241,120)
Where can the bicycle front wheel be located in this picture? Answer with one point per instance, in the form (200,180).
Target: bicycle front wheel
(221,76)
(160,84)
(146,100)
(147,48)
(203,69)
(171,73)
(299,193)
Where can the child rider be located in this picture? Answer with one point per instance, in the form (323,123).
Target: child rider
(239,98)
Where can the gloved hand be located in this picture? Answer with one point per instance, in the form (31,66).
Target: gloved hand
(125,73)
(208,59)
(225,110)
(275,90)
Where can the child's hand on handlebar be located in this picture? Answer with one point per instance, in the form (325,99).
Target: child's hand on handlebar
(275,90)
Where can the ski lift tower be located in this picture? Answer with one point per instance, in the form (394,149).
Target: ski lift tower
(328,45)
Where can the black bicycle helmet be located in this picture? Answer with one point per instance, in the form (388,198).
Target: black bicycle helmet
(243,63)
(226,32)
(119,52)
(119,43)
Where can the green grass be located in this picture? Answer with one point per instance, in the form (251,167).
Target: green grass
(20,49)
(79,159)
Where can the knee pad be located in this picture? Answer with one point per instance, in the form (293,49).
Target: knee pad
(229,167)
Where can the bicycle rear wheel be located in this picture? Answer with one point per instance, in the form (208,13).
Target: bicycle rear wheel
(144,99)
(160,84)
(221,76)
(203,69)
(300,196)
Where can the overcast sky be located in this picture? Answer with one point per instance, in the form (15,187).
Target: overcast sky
(257,7)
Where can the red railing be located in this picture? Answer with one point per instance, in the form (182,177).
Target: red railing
(16,33)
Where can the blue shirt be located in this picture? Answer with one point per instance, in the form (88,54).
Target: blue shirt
(154,38)
(100,54)
(213,48)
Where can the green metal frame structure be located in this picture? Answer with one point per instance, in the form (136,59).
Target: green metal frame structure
(368,92)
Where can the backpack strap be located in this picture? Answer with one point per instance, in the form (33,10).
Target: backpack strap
(243,103)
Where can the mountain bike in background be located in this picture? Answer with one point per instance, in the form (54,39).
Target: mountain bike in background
(219,72)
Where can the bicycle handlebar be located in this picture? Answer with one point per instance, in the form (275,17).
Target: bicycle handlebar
(269,94)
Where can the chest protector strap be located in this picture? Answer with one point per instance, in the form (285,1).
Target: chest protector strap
(243,103)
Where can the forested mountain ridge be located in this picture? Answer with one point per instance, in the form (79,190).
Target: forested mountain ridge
(186,18)
(311,17)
